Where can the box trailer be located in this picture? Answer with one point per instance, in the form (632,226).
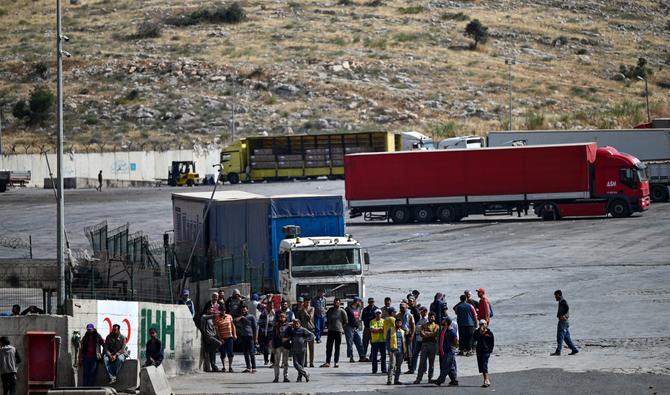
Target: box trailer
(448,185)
(651,146)
(271,158)
(249,229)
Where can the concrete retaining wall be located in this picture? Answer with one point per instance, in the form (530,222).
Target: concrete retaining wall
(180,337)
(120,165)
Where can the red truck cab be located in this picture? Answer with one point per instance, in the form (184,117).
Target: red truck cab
(622,180)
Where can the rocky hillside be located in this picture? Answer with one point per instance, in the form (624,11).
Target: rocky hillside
(154,73)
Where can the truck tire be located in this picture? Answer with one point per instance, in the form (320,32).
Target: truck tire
(619,209)
(659,193)
(233,178)
(424,214)
(447,213)
(400,215)
(3,186)
(550,212)
(189,183)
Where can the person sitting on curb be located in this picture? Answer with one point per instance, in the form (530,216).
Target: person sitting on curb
(154,349)
(115,353)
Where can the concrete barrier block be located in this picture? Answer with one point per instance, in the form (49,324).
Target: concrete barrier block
(83,391)
(153,381)
(128,377)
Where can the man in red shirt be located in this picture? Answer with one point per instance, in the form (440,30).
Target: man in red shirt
(484,310)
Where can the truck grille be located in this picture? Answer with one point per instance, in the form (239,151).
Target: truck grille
(343,291)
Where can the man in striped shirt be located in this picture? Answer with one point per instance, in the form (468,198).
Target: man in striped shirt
(225,330)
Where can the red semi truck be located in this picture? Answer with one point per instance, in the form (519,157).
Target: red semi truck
(556,180)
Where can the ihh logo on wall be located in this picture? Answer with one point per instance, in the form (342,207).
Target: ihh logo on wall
(126,315)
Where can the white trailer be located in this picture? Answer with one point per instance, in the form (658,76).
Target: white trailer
(651,146)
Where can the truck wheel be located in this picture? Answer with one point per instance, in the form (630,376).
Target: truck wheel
(401,215)
(189,183)
(424,214)
(550,212)
(3,187)
(447,213)
(659,193)
(619,209)
(233,178)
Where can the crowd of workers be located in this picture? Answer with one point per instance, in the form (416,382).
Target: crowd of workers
(412,334)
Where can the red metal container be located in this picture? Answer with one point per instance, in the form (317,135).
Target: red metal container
(41,357)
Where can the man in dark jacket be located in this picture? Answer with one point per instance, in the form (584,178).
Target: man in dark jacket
(115,352)
(8,361)
(485,341)
(153,350)
(439,307)
(447,346)
(337,319)
(367,315)
(563,330)
(90,354)
(466,317)
(211,342)
(300,336)
(352,331)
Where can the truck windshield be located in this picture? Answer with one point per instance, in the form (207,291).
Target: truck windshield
(322,262)
(641,172)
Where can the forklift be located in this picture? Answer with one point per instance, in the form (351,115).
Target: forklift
(183,173)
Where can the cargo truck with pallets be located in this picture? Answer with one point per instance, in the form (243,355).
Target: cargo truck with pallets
(555,181)
(13,178)
(292,244)
(303,156)
(651,146)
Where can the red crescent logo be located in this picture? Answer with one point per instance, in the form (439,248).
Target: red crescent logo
(127,322)
(109,322)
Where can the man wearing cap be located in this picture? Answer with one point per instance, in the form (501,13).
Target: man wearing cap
(378,340)
(484,310)
(153,350)
(448,344)
(90,354)
(186,299)
(352,331)
(484,339)
(234,304)
(563,329)
(319,304)
(367,315)
(466,317)
(395,346)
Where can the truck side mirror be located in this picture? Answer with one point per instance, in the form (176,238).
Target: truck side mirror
(366,258)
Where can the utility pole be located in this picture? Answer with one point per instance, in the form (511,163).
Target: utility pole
(1,133)
(60,212)
(509,63)
(232,115)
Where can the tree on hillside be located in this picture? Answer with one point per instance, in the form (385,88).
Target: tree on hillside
(477,32)
(38,108)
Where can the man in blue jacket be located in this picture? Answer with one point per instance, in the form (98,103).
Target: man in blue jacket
(466,317)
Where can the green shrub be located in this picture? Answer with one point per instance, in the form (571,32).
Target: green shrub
(582,51)
(416,9)
(345,2)
(231,13)
(477,32)
(38,108)
(374,3)
(534,121)
(3,12)
(148,29)
(455,16)
(639,70)
(20,109)
(41,69)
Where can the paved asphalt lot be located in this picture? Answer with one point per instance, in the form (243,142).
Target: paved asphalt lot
(614,273)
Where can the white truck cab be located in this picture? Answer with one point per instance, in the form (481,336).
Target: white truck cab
(462,142)
(335,264)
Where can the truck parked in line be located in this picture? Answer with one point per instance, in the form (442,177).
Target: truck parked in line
(554,180)
(651,146)
(11,178)
(272,158)
(462,142)
(293,244)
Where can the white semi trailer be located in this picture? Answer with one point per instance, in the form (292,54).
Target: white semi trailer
(651,146)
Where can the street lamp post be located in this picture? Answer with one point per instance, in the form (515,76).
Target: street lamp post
(509,63)
(646,95)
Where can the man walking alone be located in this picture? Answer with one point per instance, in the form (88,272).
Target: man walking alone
(563,329)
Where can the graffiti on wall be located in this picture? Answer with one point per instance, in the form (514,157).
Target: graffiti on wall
(125,314)
(164,323)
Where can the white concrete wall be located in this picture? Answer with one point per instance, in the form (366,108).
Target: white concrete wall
(120,165)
